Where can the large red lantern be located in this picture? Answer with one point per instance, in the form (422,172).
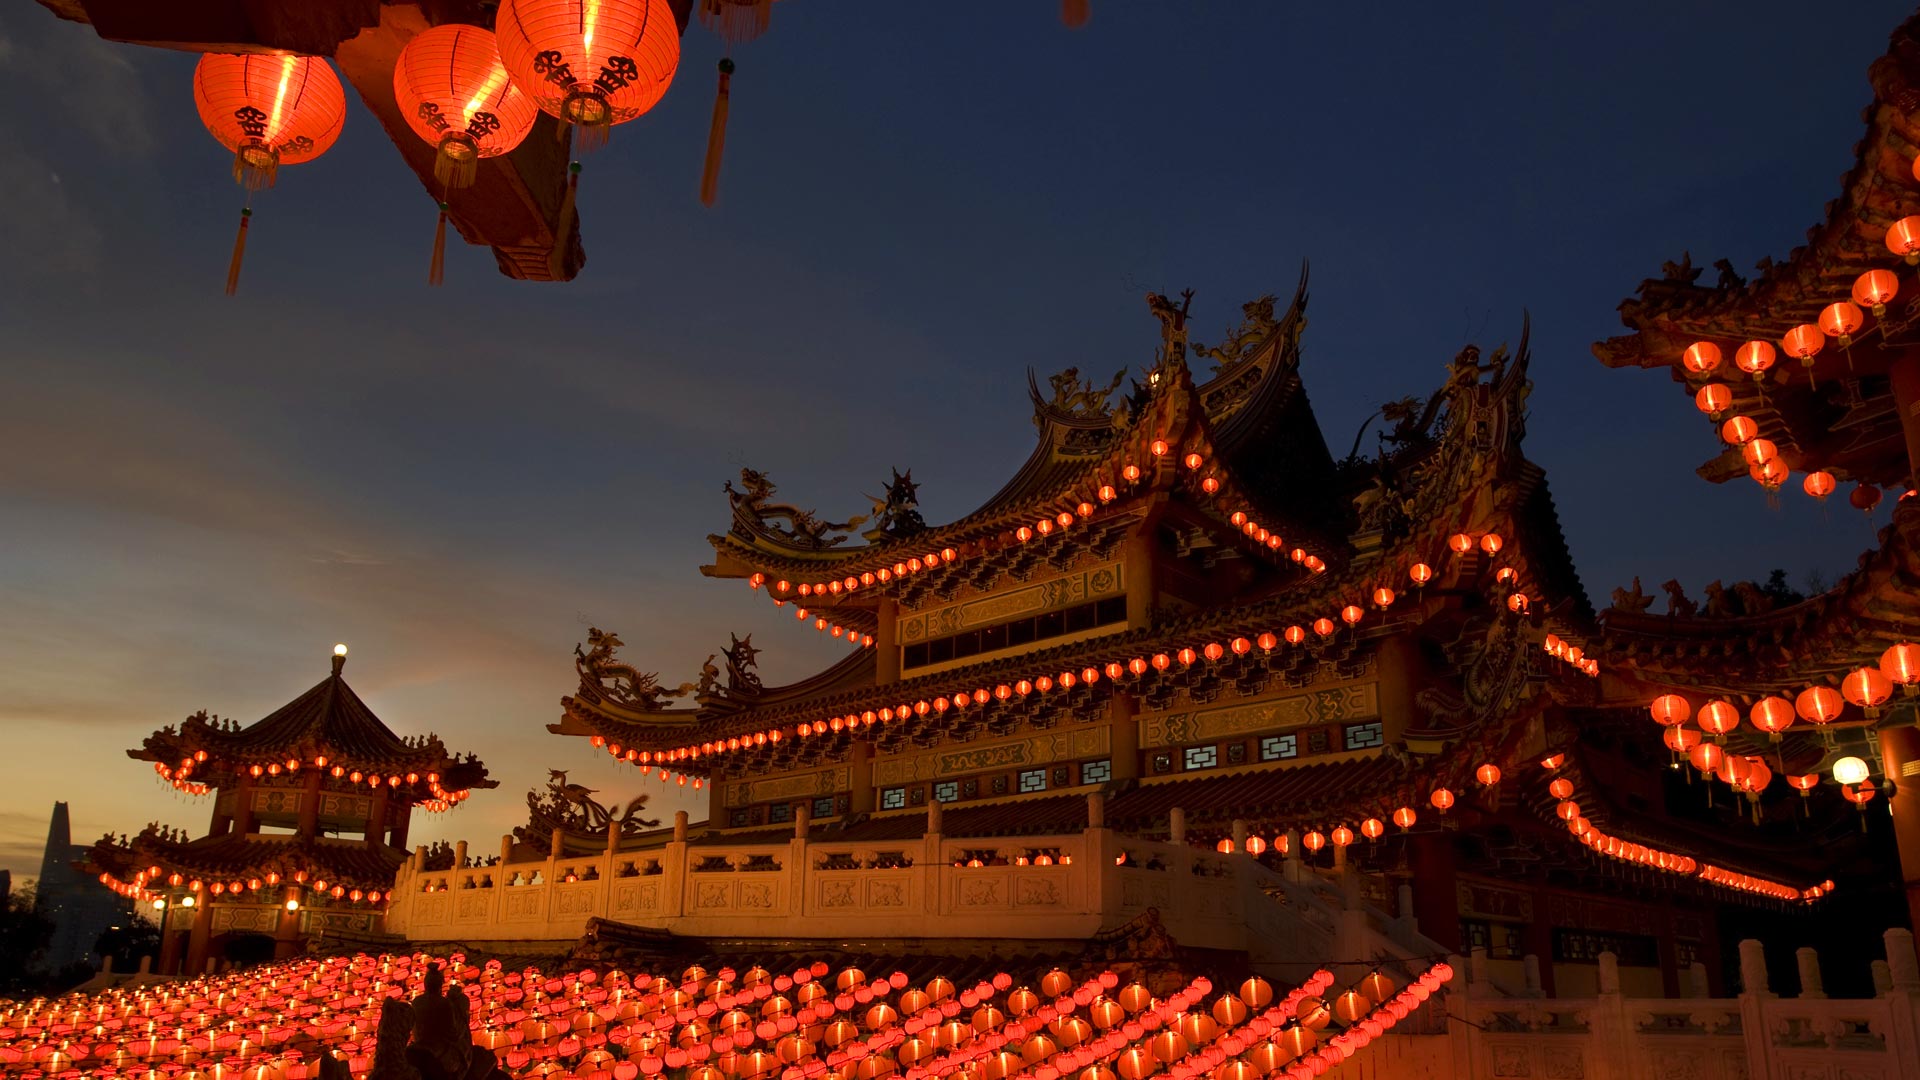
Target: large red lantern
(1867,688)
(1903,238)
(1702,357)
(1819,704)
(1864,497)
(1754,358)
(1874,288)
(454,93)
(591,63)
(1717,717)
(1670,709)
(1840,320)
(1713,399)
(1772,715)
(270,111)
(1901,665)
(1818,484)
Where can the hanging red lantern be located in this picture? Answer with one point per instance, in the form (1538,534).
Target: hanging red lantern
(455,94)
(1769,474)
(1840,320)
(1488,774)
(1804,342)
(1351,614)
(1739,430)
(1702,357)
(1901,665)
(1706,756)
(1461,543)
(1903,238)
(1681,740)
(1670,709)
(1553,761)
(1442,799)
(1420,573)
(1864,497)
(1818,484)
(1716,718)
(1517,603)
(591,63)
(1759,451)
(1874,288)
(1754,358)
(269,111)
(1713,399)
(1819,704)
(1867,688)
(1404,817)
(1772,715)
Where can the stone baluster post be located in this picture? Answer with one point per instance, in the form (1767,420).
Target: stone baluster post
(1239,835)
(673,870)
(1697,986)
(1096,809)
(802,821)
(1808,960)
(1882,978)
(1902,964)
(419,863)
(1609,973)
(1903,998)
(146,965)
(1754,996)
(1177,825)
(1753,968)
(1611,1031)
(506,852)
(937,869)
(459,854)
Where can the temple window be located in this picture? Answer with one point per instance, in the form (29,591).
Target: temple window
(1237,753)
(1365,736)
(1088,616)
(738,818)
(946,792)
(823,806)
(1162,763)
(1033,780)
(893,799)
(1279,747)
(1585,946)
(780,812)
(1096,772)
(1201,757)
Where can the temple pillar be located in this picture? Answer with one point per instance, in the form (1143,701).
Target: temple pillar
(1536,939)
(860,796)
(717,800)
(1137,570)
(310,802)
(1123,727)
(243,806)
(376,823)
(199,937)
(1436,900)
(886,645)
(397,829)
(172,941)
(1900,749)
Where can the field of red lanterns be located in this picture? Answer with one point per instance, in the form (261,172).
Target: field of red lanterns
(280,1021)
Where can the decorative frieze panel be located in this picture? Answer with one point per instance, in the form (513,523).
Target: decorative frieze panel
(471,905)
(350,807)
(245,919)
(1479,901)
(575,899)
(526,902)
(636,899)
(1070,745)
(277,801)
(1065,591)
(1352,701)
(432,908)
(803,785)
(748,895)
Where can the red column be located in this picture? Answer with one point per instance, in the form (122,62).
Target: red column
(399,816)
(310,803)
(1436,898)
(1538,937)
(199,937)
(1901,749)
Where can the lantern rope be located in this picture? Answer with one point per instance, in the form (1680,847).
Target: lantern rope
(239,249)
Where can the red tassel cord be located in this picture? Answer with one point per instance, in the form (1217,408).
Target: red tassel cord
(716,136)
(437,272)
(239,251)
(1075,13)
(564,223)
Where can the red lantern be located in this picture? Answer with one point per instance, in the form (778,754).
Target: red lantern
(1461,543)
(1706,757)
(1420,573)
(1739,430)
(1716,718)
(1405,817)
(1754,358)
(1772,715)
(1819,704)
(1681,740)
(1713,399)
(1867,688)
(1442,799)
(1901,665)
(1671,709)
(1840,320)
(1561,788)
(1759,451)
(1703,357)
(1488,774)
(1874,288)
(1864,497)
(1770,473)
(1903,238)
(270,111)
(591,64)
(1804,342)
(455,94)
(1818,484)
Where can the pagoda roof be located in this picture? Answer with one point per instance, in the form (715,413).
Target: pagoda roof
(1839,416)
(327,721)
(230,857)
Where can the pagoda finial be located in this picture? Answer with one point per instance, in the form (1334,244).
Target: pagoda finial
(339,658)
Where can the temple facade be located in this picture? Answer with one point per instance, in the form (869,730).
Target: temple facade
(310,808)
(1188,679)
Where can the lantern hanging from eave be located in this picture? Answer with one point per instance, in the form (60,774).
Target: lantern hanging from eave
(1770,473)
(1754,358)
(1901,665)
(1864,497)
(1713,399)
(1903,238)
(1819,704)
(1819,484)
(1739,430)
(1772,715)
(1803,343)
(1840,319)
(1867,688)
(736,22)
(454,93)
(1874,288)
(270,111)
(1701,358)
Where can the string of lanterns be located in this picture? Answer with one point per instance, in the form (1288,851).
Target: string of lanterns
(147,886)
(442,798)
(276,1023)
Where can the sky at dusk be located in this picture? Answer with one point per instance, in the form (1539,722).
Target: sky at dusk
(200,494)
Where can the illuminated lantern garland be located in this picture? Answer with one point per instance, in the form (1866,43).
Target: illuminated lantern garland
(269,111)
(454,93)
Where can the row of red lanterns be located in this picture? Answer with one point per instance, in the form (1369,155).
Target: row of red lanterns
(443,798)
(1867,688)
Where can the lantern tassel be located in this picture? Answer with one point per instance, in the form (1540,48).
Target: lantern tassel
(716,136)
(564,223)
(1075,13)
(239,251)
(437,270)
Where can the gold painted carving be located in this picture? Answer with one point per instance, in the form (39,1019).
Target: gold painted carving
(1354,701)
(1036,750)
(825,782)
(1066,591)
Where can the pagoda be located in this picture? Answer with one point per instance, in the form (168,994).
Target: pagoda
(1809,375)
(1185,620)
(310,809)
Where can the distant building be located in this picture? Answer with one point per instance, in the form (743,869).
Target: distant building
(79,907)
(6,888)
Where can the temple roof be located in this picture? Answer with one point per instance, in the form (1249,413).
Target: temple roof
(328,726)
(1839,415)
(353,864)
